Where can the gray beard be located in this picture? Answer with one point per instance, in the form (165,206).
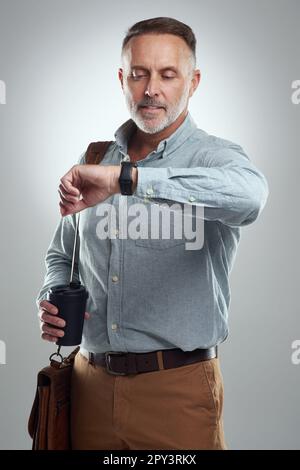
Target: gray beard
(170,115)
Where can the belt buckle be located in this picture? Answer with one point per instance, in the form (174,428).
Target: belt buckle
(107,362)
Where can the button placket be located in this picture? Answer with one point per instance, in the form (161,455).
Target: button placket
(114,287)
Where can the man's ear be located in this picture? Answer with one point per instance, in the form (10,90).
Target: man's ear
(195,81)
(120,73)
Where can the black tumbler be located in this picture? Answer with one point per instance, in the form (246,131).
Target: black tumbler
(70,300)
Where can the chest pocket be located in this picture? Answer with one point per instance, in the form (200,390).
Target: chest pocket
(167,226)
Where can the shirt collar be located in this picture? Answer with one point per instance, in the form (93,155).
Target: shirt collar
(165,146)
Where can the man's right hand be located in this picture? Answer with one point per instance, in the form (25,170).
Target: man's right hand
(50,322)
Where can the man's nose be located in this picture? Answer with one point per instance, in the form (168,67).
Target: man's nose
(153,87)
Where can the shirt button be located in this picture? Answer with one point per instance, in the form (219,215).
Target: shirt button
(192,199)
(116,232)
(149,191)
(114,326)
(115,279)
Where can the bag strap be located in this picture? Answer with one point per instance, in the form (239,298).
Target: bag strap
(94,155)
(96,151)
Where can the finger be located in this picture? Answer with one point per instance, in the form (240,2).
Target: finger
(45,305)
(66,209)
(51,331)
(66,186)
(63,210)
(66,202)
(52,320)
(48,338)
(87,315)
(67,196)
(67,182)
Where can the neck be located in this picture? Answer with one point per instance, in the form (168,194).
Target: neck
(149,142)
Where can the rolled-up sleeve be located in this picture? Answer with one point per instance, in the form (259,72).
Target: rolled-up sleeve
(230,188)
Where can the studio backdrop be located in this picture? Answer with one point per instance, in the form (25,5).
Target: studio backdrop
(59,90)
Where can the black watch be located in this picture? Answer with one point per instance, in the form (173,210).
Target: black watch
(125,178)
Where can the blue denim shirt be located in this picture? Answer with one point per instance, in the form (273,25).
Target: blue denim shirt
(148,294)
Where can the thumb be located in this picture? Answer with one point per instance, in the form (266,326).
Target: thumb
(72,208)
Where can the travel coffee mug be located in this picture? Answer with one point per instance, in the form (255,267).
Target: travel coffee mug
(70,299)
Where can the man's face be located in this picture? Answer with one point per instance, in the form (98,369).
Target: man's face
(157,80)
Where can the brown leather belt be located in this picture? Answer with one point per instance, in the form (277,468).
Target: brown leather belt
(122,363)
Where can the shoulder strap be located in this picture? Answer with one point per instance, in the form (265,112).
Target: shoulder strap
(96,151)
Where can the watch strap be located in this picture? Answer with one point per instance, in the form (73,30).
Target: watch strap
(125,178)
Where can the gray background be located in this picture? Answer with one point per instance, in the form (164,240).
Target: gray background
(59,61)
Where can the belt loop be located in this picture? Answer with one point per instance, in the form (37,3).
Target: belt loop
(160,360)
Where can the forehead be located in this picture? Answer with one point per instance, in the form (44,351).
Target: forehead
(157,50)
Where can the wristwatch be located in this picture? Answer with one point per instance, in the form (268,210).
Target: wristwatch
(125,178)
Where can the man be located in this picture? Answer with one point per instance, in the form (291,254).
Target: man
(162,306)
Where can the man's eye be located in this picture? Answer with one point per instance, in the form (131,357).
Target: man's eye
(138,77)
(168,77)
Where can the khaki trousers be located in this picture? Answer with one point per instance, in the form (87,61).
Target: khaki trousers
(179,408)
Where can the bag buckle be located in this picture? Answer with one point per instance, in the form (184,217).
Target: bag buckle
(108,355)
(57,353)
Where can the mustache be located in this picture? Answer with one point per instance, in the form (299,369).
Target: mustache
(150,102)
